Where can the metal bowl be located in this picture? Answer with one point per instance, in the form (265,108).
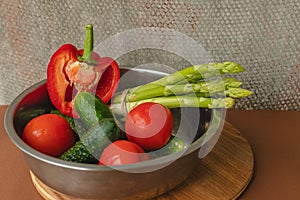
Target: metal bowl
(142,180)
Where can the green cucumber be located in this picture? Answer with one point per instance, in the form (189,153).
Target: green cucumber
(77,125)
(175,144)
(90,146)
(91,109)
(23,116)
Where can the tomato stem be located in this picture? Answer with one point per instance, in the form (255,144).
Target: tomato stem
(88,44)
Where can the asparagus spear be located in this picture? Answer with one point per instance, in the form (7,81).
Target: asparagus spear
(229,92)
(178,101)
(200,72)
(169,92)
(208,87)
(237,92)
(185,101)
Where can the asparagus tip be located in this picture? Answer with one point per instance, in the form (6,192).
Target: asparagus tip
(232,67)
(237,92)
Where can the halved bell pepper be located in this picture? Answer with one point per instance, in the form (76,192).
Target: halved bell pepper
(71,71)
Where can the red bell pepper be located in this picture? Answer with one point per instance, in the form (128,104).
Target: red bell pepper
(71,71)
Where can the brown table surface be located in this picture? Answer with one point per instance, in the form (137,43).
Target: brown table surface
(273,135)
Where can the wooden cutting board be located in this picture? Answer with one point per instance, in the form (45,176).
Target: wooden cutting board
(223,174)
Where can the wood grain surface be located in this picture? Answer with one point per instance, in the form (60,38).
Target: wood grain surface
(223,174)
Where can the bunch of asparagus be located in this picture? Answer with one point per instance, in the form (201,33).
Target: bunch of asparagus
(200,86)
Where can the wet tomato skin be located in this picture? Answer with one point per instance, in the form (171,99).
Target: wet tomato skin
(50,134)
(149,125)
(122,152)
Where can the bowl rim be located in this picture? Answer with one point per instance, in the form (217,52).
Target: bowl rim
(217,117)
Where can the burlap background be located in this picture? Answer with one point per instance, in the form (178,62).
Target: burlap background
(262,35)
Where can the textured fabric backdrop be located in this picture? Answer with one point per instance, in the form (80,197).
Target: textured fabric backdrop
(261,35)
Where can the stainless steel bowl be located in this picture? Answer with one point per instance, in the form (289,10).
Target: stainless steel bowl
(88,181)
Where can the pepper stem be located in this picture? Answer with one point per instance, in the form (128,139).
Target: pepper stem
(88,44)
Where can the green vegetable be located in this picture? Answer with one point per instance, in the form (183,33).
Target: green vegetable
(230,92)
(198,72)
(91,109)
(24,116)
(206,87)
(77,125)
(90,146)
(237,92)
(175,144)
(180,101)
(195,86)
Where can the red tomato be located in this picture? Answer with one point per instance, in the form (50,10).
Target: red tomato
(122,152)
(50,134)
(149,125)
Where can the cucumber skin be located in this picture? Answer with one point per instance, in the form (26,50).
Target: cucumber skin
(89,148)
(175,144)
(91,109)
(77,126)
(24,116)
